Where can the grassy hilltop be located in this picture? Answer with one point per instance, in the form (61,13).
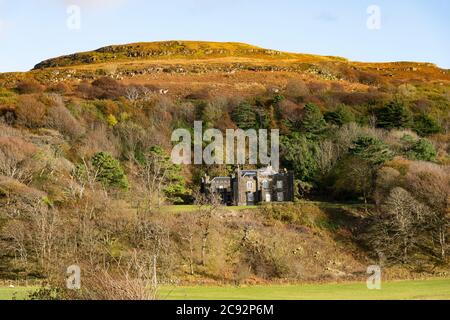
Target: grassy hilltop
(186,50)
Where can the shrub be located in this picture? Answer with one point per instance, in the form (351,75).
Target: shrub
(102,88)
(107,107)
(424,125)
(422,150)
(112,120)
(14,153)
(60,88)
(296,88)
(110,172)
(30,112)
(108,88)
(28,87)
(59,118)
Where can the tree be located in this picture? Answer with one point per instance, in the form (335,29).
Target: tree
(244,116)
(353,179)
(300,155)
(160,176)
(110,172)
(430,184)
(425,125)
(313,124)
(398,228)
(412,214)
(372,150)
(340,117)
(394,115)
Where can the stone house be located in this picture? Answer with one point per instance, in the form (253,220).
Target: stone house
(251,187)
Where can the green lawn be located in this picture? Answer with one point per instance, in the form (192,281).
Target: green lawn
(20,293)
(401,290)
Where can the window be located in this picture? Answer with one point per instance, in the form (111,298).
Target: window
(250,197)
(250,185)
(280,196)
(279,184)
(268,197)
(265,184)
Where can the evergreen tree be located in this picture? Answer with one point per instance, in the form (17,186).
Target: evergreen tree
(313,124)
(394,115)
(340,117)
(110,172)
(244,116)
(299,154)
(372,150)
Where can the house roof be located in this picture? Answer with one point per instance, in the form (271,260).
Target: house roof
(268,171)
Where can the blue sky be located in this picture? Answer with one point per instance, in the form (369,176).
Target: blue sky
(413,30)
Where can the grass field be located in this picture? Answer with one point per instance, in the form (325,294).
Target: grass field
(399,290)
(20,293)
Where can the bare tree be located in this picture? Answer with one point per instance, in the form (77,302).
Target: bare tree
(15,154)
(132,94)
(208,206)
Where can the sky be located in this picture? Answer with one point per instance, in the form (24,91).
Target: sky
(360,30)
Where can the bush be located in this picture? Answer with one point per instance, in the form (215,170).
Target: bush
(422,150)
(107,88)
(424,125)
(60,88)
(102,88)
(296,88)
(14,153)
(59,118)
(110,172)
(30,112)
(28,87)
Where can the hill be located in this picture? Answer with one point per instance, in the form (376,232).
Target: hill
(189,50)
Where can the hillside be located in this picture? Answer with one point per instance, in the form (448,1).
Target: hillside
(86,174)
